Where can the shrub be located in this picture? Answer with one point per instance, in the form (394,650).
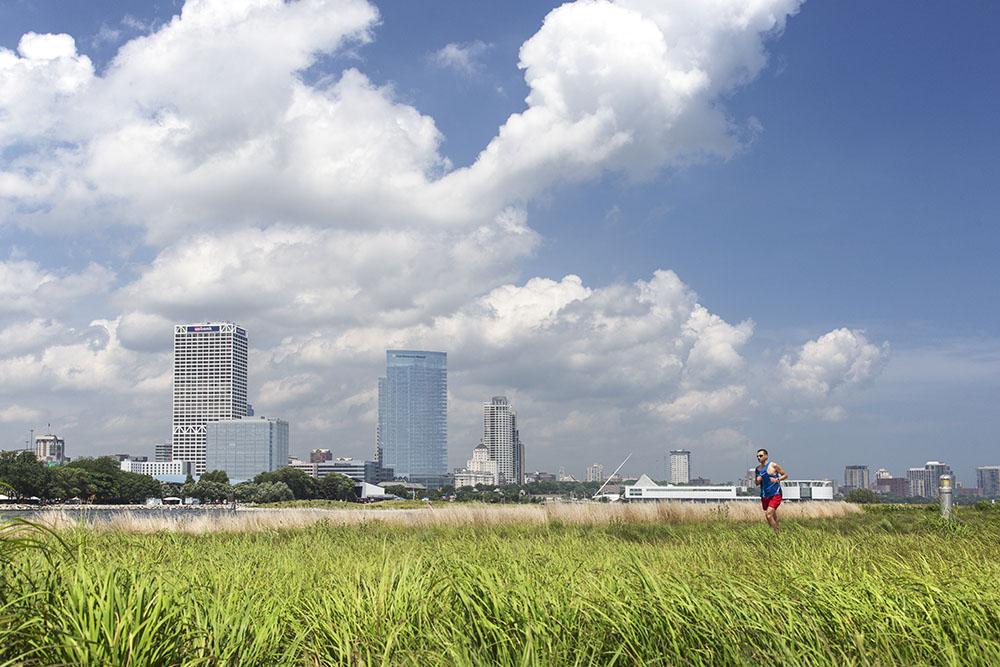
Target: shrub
(862,497)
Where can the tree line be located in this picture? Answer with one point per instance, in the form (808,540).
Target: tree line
(101,480)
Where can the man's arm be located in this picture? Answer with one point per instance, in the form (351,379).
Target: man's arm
(782,475)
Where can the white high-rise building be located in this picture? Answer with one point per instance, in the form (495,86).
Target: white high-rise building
(595,473)
(50,448)
(501,439)
(680,466)
(210,383)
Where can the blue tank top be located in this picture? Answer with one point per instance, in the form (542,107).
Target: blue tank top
(769,484)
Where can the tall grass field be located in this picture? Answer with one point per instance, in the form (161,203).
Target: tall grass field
(889,586)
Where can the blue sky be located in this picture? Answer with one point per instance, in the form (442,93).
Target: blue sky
(319,179)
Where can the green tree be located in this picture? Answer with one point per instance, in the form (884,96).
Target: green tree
(336,487)
(272,492)
(66,483)
(398,490)
(24,473)
(302,486)
(209,491)
(861,497)
(245,492)
(104,473)
(219,476)
(170,490)
(135,488)
(187,489)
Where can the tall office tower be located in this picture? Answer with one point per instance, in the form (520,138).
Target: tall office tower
(595,473)
(680,466)
(988,479)
(246,446)
(50,448)
(210,383)
(162,452)
(412,435)
(501,439)
(856,477)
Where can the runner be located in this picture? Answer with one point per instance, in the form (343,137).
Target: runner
(769,476)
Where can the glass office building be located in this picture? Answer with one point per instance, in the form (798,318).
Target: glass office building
(246,447)
(412,434)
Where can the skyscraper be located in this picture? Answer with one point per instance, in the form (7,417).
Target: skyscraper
(210,383)
(680,466)
(988,479)
(501,439)
(412,434)
(924,481)
(856,477)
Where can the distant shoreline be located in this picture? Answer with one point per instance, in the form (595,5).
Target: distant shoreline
(84,508)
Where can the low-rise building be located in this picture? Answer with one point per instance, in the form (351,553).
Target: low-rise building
(791,489)
(480,469)
(157,468)
(647,489)
(359,470)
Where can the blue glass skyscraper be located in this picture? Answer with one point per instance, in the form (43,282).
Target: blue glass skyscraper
(412,435)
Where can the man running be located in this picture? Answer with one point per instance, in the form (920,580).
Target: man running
(769,476)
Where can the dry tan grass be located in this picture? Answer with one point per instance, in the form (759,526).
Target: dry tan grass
(452,515)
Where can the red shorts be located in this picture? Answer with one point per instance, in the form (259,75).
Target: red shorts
(770,501)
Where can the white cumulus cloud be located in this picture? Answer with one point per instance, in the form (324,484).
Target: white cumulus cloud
(462,58)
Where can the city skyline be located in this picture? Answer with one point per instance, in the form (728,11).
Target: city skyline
(651,225)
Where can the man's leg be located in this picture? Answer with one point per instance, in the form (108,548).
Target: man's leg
(771,514)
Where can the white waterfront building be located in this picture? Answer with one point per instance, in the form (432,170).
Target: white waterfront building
(647,489)
(157,468)
(502,441)
(791,489)
(210,383)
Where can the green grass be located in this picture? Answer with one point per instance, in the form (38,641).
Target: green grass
(878,588)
